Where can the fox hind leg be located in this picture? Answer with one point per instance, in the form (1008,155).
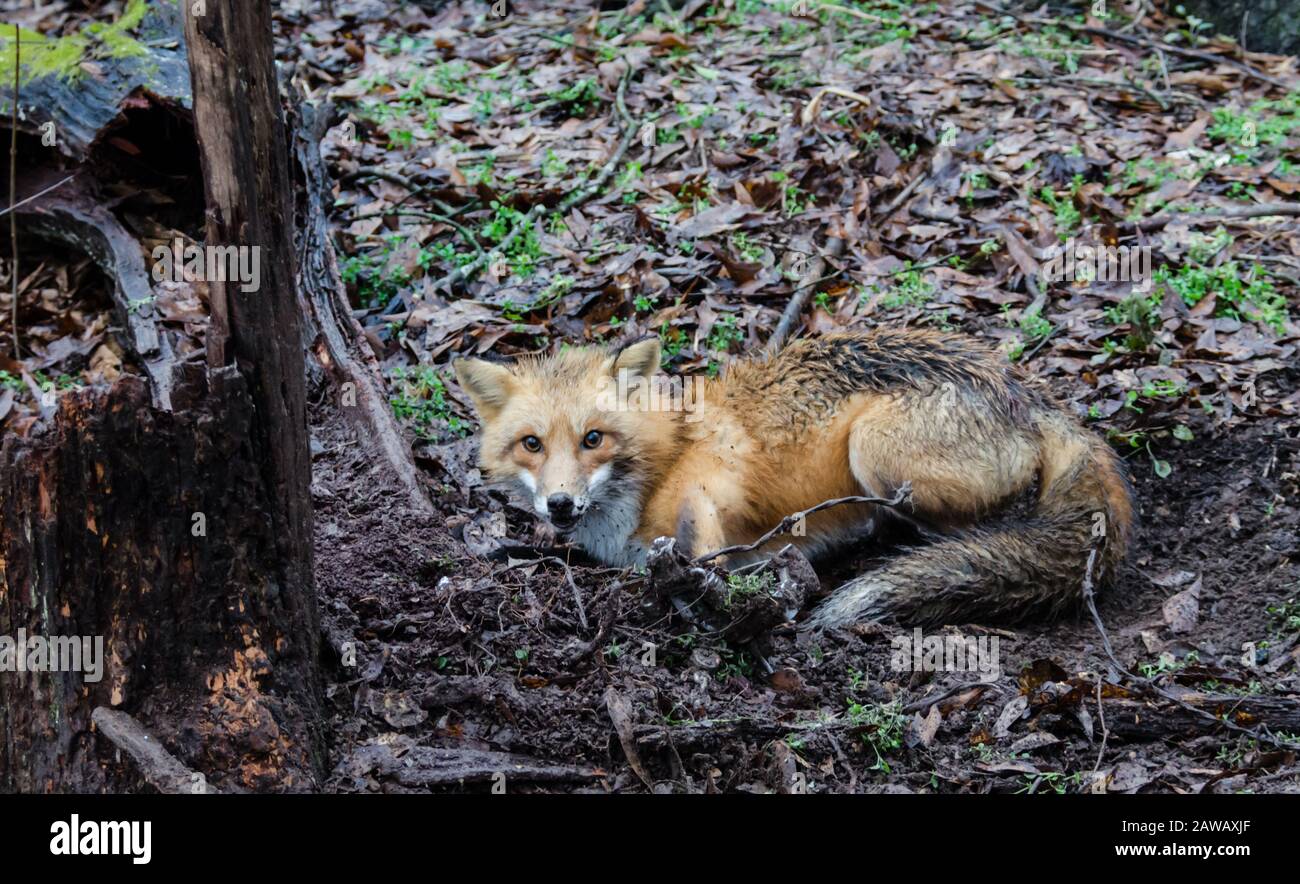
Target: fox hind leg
(961,462)
(960,466)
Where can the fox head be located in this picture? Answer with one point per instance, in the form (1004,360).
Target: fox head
(556,429)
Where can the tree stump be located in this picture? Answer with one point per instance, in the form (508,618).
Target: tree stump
(152,531)
(176,529)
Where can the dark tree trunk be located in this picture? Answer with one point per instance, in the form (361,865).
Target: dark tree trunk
(1259,25)
(98,538)
(240,128)
(179,531)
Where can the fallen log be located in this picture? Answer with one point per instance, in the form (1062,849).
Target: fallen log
(422,767)
(97,76)
(1144,720)
(158,766)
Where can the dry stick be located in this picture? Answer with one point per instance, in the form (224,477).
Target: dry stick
(1207,57)
(857,13)
(1089,597)
(445,214)
(159,767)
(465,233)
(902,496)
(926,702)
(407,183)
(903,197)
(1113,86)
(13,188)
(1105,731)
(40,193)
(577,593)
(799,299)
(1228,212)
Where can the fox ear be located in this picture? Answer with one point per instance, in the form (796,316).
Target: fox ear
(489,384)
(639,358)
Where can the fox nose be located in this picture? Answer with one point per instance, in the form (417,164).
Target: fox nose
(560,506)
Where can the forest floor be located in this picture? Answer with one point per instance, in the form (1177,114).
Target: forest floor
(1017,137)
(562,175)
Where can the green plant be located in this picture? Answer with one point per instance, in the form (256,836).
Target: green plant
(525,252)
(726,333)
(743,586)
(1168,663)
(1239,293)
(748,250)
(910,289)
(672,342)
(1142,315)
(553,166)
(1286,615)
(883,725)
(735,664)
(1051,43)
(794,199)
(1057,781)
(1263,124)
(421,401)
(579,97)
(1068,217)
(63,57)
(366,272)
(1153,391)
(1034,325)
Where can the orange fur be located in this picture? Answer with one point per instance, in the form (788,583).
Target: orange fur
(825,418)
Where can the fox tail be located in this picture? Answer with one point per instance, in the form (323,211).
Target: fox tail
(1015,567)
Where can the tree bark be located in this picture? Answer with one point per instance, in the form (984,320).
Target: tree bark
(177,530)
(240,129)
(239,124)
(152,532)
(1259,25)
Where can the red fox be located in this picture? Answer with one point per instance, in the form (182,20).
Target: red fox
(836,416)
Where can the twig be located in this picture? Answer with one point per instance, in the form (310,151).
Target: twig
(1145,684)
(159,767)
(461,229)
(902,496)
(409,184)
(857,13)
(1132,40)
(1228,212)
(1042,343)
(1105,731)
(815,276)
(902,197)
(814,106)
(13,190)
(12,205)
(577,593)
(926,702)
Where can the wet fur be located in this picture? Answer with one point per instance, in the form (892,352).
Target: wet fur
(830,417)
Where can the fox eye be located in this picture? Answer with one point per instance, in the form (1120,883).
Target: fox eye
(532,444)
(592,439)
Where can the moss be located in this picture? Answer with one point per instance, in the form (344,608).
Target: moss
(42,57)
